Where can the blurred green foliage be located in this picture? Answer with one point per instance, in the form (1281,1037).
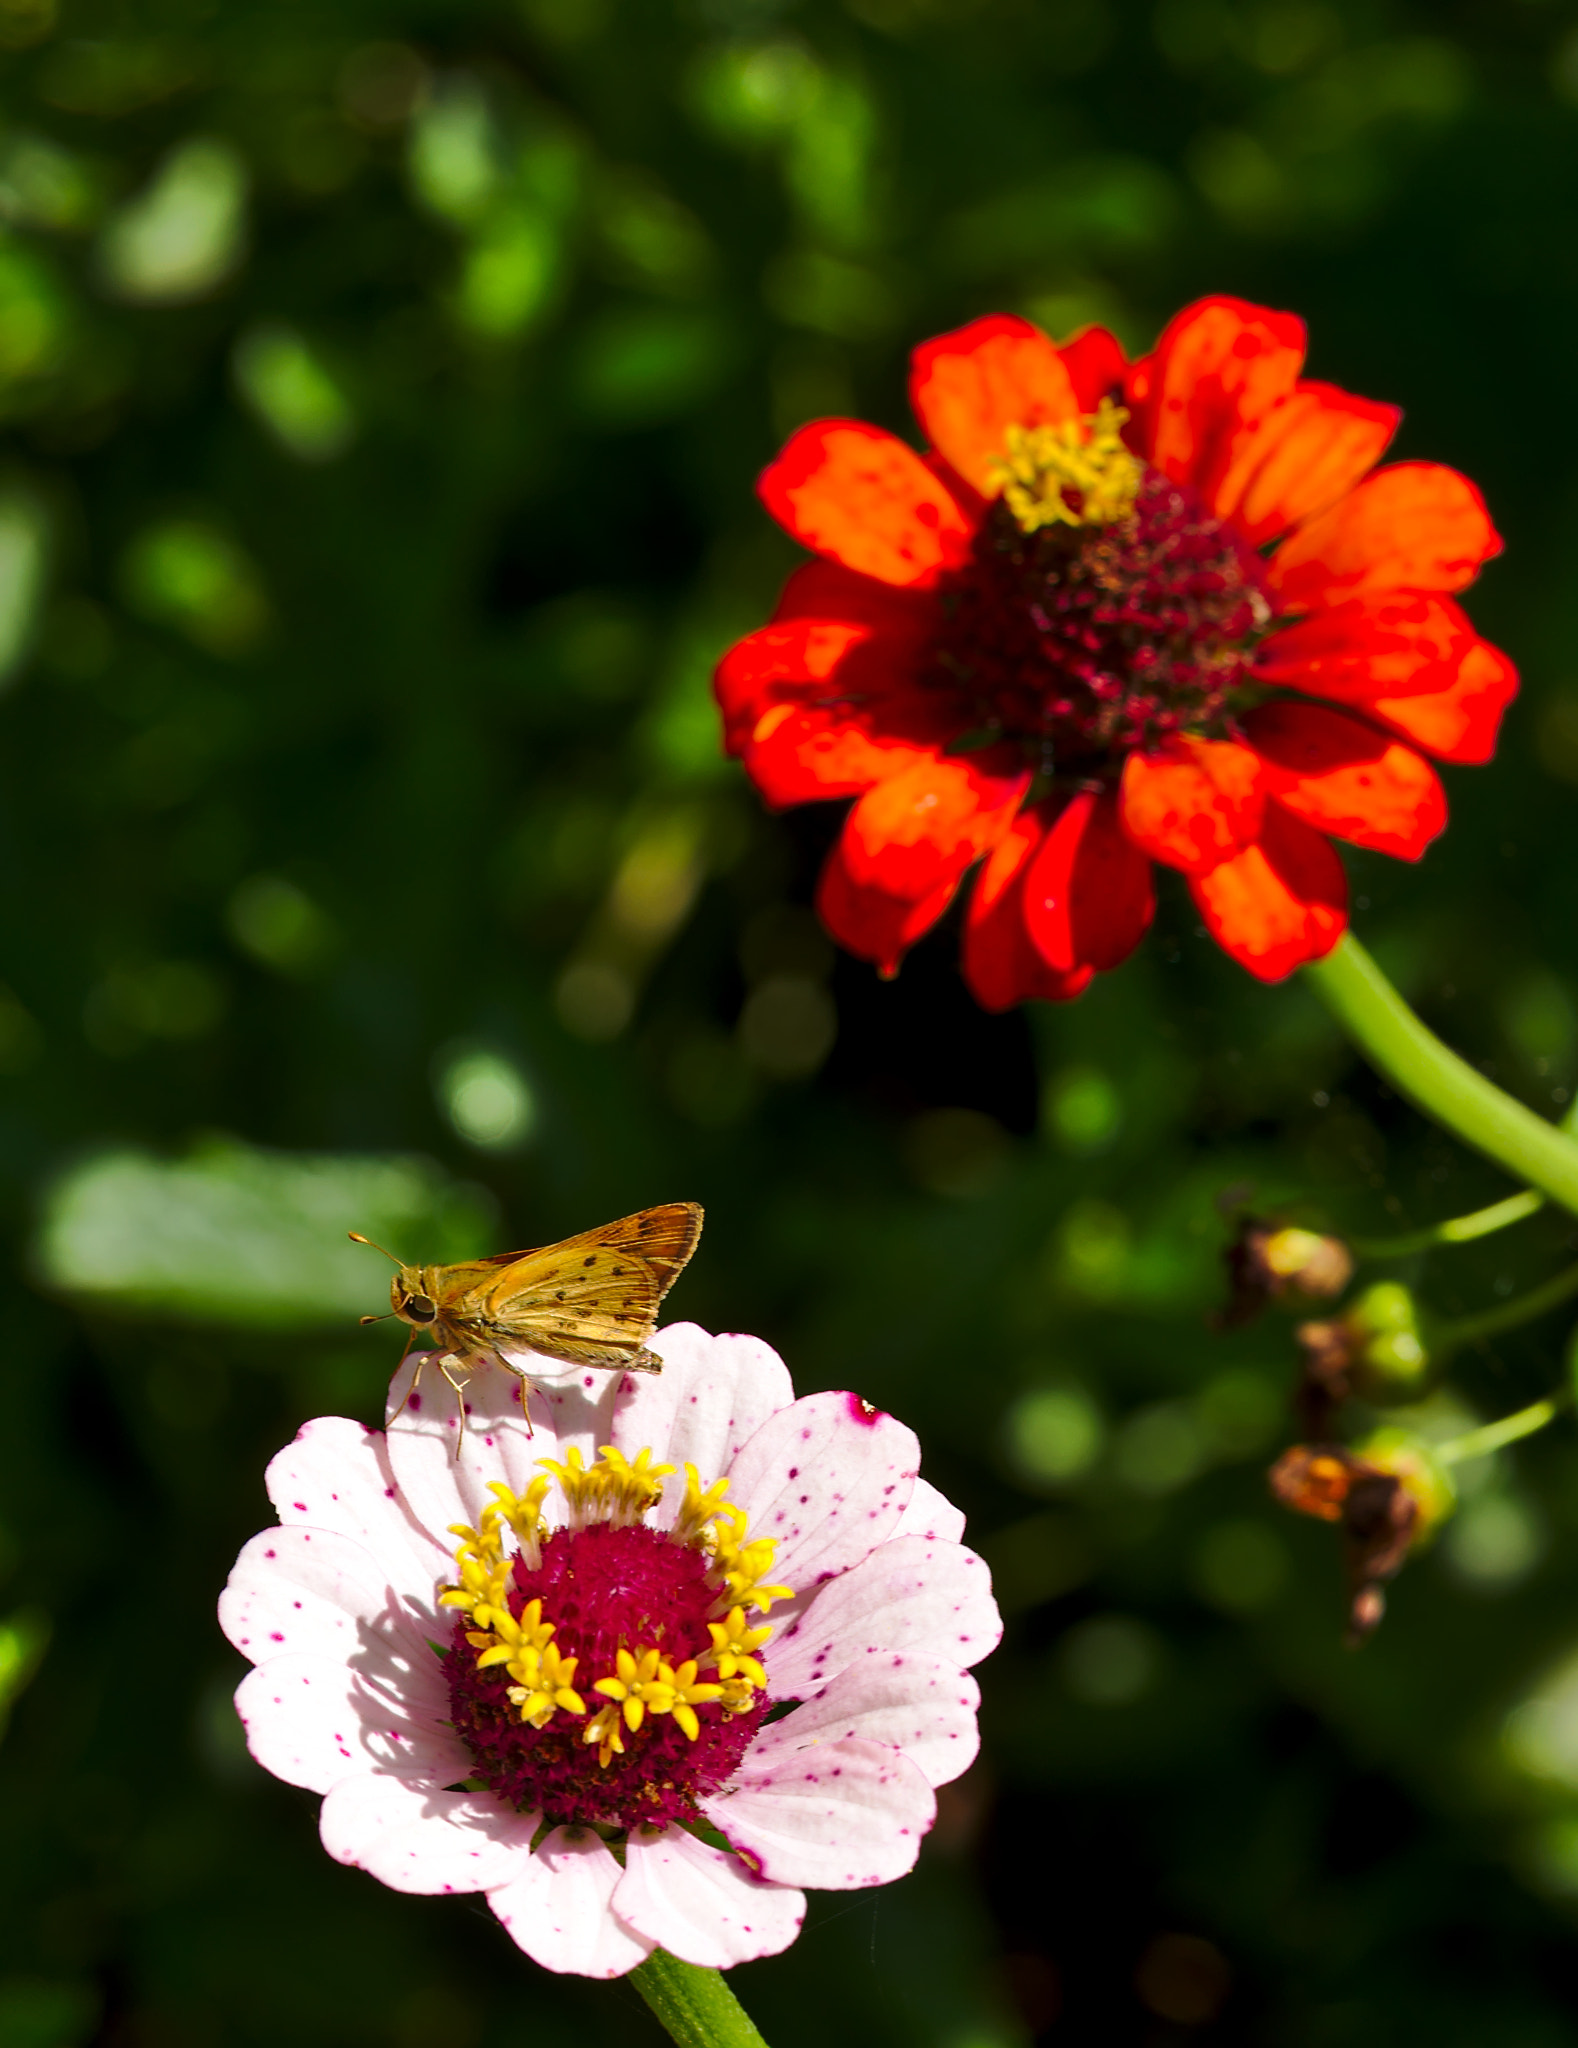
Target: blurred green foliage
(383,390)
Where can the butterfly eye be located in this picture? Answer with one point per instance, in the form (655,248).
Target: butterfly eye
(418,1308)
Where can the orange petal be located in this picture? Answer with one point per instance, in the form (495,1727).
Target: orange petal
(1000,964)
(1218,370)
(1394,643)
(969,387)
(1413,526)
(1305,455)
(928,824)
(868,922)
(860,497)
(1193,802)
(1088,895)
(1095,362)
(1459,723)
(1280,902)
(1344,777)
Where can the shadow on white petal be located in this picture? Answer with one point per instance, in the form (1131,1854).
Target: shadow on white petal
(419,1838)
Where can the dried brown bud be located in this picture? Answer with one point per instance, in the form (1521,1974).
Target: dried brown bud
(1379,1513)
(1280,1262)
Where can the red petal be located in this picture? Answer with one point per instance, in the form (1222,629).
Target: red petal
(1459,723)
(924,827)
(1344,777)
(1088,896)
(1193,802)
(798,756)
(870,676)
(1396,644)
(1414,526)
(969,387)
(1218,370)
(1095,362)
(1308,452)
(1000,964)
(868,922)
(827,590)
(858,496)
(1278,903)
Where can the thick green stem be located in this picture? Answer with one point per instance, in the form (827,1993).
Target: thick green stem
(1436,1080)
(696,2006)
(1495,1436)
(1511,1315)
(1455,1229)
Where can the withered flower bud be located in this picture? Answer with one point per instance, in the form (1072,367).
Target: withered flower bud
(1388,1496)
(1280,1262)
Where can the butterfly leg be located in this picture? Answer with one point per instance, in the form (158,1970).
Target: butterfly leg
(449,1365)
(415,1377)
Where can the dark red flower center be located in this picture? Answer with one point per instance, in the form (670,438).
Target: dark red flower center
(1086,641)
(605,1589)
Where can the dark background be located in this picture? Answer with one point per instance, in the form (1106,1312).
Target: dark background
(384,386)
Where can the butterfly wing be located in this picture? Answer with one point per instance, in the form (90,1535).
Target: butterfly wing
(592,1300)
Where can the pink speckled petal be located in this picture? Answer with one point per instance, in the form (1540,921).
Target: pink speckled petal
(701,1903)
(840,1815)
(311,1590)
(441,1487)
(827,1479)
(913,1593)
(931,1513)
(421,1839)
(711,1396)
(921,1705)
(313,1721)
(559,1908)
(337,1476)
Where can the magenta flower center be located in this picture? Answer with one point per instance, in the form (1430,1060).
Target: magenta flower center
(605,1589)
(1085,639)
(606,1672)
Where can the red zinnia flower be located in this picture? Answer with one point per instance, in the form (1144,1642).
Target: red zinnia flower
(1062,644)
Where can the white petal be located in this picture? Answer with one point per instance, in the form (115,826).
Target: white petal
(444,1474)
(931,1513)
(911,1593)
(312,1591)
(701,1903)
(921,1705)
(313,1721)
(421,1839)
(827,1479)
(337,1476)
(559,1908)
(712,1395)
(839,1815)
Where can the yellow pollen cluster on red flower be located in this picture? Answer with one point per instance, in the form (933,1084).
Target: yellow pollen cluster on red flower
(606,1639)
(1078,473)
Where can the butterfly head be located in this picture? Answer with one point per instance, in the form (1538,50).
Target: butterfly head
(412,1298)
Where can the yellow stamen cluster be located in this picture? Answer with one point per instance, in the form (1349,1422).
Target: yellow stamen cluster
(620,1491)
(1085,455)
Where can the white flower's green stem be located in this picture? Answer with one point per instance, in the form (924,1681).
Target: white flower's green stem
(1454,1230)
(696,2006)
(1436,1080)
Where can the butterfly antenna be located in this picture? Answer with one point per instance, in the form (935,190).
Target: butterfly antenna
(356,1237)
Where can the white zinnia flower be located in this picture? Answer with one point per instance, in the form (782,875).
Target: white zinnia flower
(701,1644)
